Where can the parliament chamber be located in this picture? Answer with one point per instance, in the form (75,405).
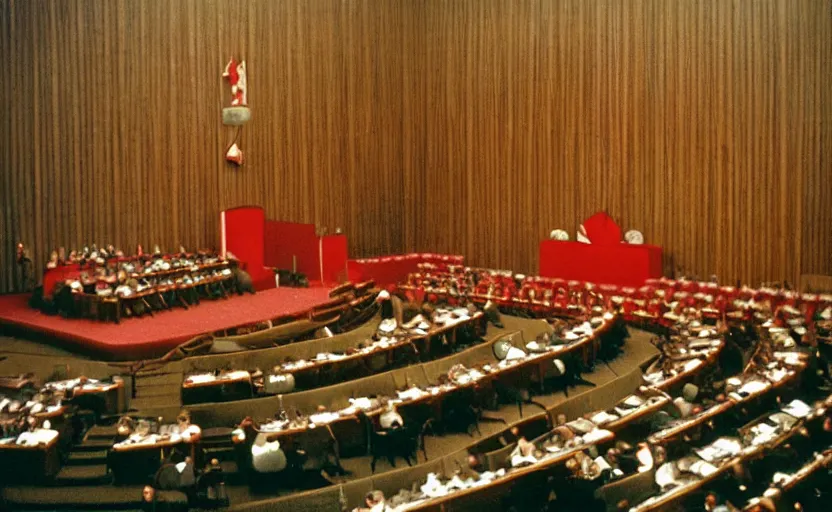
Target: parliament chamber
(508,255)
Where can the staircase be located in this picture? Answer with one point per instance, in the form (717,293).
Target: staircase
(157,389)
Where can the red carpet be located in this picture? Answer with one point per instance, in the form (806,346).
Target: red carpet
(140,338)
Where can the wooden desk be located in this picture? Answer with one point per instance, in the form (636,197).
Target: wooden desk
(433,396)
(665,500)
(100,396)
(685,375)
(29,463)
(226,387)
(138,457)
(112,305)
(16,384)
(644,411)
(512,475)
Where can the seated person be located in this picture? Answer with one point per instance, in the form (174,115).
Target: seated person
(124,428)
(189,432)
(476,466)
(640,459)
(524,453)
(390,418)
(374,502)
(686,404)
(187,429)
(714,504)
(583,466)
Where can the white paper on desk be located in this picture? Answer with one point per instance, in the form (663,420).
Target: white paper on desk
(666,475)
(752,387)
(411,394)
(323,418)
(719,449)
(603,417)
(633,401)
(762,433)
(201,378)
(595,435)
(518,459)
(790,358)
(653,377)
(783,420)
(797,408)
(581,425)
(733,381)
(362,402)
(692,365)
(778,374)
(703,469)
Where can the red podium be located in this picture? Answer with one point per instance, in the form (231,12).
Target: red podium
(606,260)
(622,264)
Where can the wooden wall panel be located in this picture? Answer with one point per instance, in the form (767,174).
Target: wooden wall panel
(705,124)
(112,130)
(472,126)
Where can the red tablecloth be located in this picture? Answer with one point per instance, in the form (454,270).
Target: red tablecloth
(391,270)
(621,264)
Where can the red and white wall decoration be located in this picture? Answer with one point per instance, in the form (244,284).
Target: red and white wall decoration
(238,113)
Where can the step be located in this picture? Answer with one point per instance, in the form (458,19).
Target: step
(83,475)
(102,432)
(87,458)
(97,497)
(160,379)
(159,390)
(153,402)
(93,445)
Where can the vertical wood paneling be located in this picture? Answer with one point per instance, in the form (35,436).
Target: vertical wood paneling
(472,126)
(704,124)
(112,130)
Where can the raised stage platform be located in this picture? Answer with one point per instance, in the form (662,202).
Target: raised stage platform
(147,337)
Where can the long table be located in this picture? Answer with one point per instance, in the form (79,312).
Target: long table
(431,396)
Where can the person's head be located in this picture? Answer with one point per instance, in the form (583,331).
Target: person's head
(148,493)
(660,455)
(184,418)
(561,419)
(710,500)
(474,462)
(373,498)
(215,463)
(573,465)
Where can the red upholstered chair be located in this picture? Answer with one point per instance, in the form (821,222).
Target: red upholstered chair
(601,229)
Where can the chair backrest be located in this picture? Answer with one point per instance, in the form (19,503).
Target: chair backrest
(635,489)
(601,229)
